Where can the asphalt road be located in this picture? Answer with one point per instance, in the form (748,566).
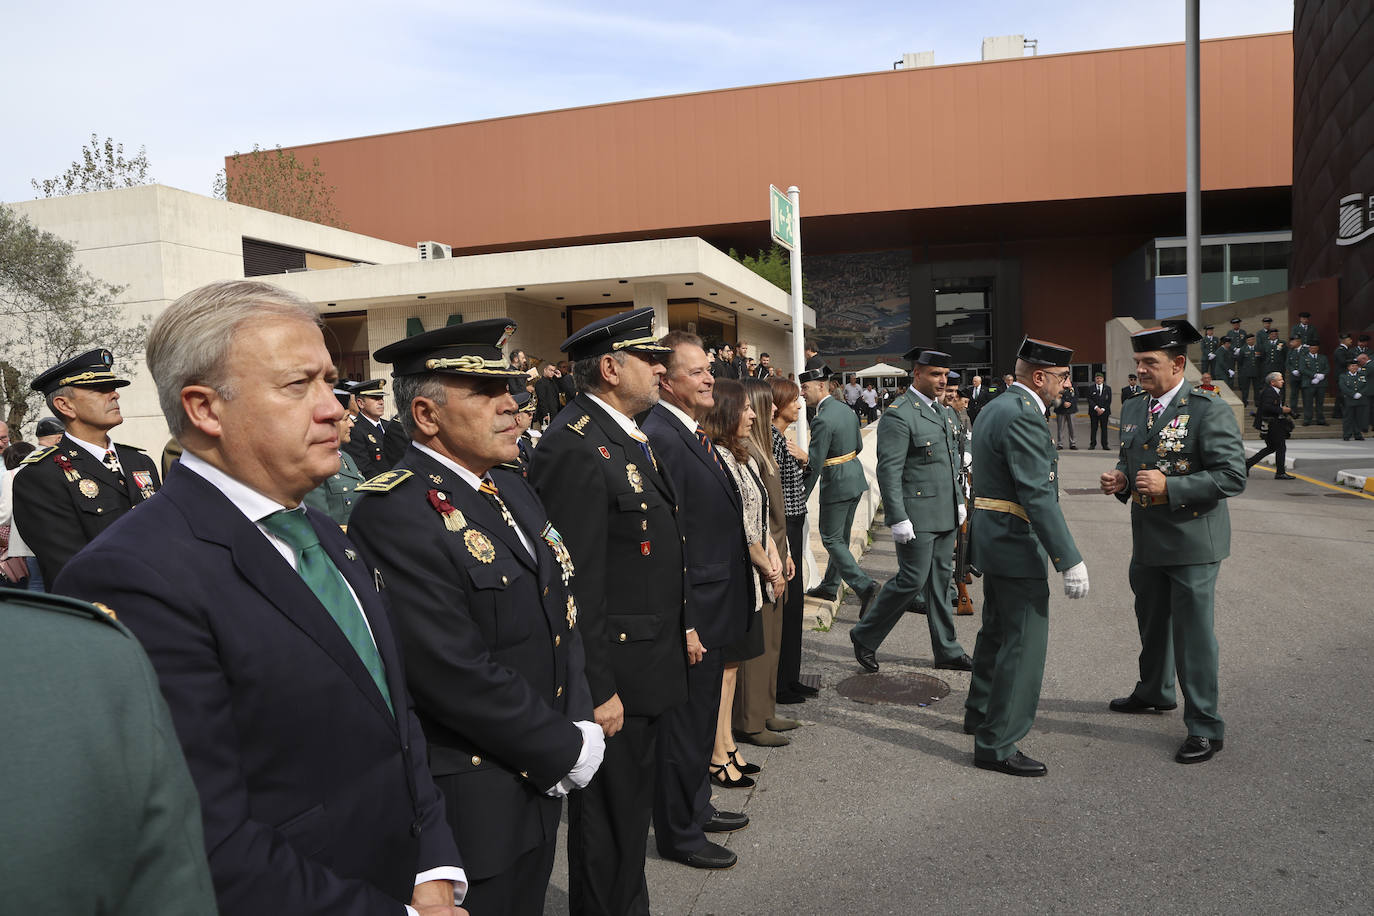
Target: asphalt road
(878,808)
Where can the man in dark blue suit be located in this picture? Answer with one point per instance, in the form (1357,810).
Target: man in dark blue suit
(479,588)
(1099,410)
(718,604)
(271,642)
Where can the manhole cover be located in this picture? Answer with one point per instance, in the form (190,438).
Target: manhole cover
(1083,491)
(903,689)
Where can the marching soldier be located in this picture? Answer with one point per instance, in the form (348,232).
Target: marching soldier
(835,444)
(1181,457)
(919,460)
(365,445)
(77,488)
(1016,496)
(481,597)
(606,493)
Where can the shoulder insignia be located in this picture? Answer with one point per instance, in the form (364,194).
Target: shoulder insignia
(384,482)
(39,455)
(1199,393)
(579,424)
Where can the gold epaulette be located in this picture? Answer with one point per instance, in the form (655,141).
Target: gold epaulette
(384,482)
(579,424)
(39,455)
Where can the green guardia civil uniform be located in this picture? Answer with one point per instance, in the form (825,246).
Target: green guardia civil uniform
(918,466)
(1017,524)
(1178,542)
(1210,345)
(1249,360)
(1355,388)
(1292,368)
(1224,366)
(833,462)
(1275,356)
(335,497)
(1311,365)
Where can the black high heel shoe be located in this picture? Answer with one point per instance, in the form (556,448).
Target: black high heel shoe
(748,769)
(720,777)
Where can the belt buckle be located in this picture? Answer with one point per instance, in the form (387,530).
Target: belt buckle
(1142,499)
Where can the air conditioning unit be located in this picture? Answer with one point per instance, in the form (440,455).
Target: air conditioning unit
(434,251)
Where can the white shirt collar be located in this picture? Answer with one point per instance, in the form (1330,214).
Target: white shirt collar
(97,451)
(1168,396)
(467,476)
(924,400)
(1039,403)
(250,502)
(683,417)
(627,424)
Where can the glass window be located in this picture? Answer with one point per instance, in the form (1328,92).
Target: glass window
(1173,262)
(1247,257)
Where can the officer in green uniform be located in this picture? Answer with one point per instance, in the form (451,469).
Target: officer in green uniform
(1248,362)
(1313,369)
(1275,353)
(1293,370)
(100,814)
(918,469)
(1355,387)
(1237,335)
(335,496)
(1181,457)
(832,462)
(1224,366)
(1017,524)
(1210,344)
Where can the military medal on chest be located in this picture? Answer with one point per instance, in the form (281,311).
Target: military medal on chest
(636,480)
(144,481)
(560,552)
(453,518)
(89,488)
(479,545)
(572,613)
(69,472)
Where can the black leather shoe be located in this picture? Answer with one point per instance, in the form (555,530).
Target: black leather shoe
(1017,764)
(805,690)
(865,597)
(821,593)
(962,663)
(865,657)
(1073,448)
(1197,749)
(712,855)
(1132,704)
(1284,477)
(789,698)
(748,769)
(917,609)
(726,822)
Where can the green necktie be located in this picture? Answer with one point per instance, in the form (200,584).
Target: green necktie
(325,580)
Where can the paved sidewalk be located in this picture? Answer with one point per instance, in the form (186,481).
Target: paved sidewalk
(878,809)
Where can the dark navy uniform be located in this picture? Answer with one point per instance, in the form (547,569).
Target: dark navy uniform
(366,446)
(618,516)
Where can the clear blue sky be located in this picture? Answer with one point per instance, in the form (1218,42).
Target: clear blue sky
(193,83)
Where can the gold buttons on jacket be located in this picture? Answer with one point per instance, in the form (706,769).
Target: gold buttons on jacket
(546,590)
(557,641)
(476,761)
(558,692)
(644,506)
(505,581)
(623,637)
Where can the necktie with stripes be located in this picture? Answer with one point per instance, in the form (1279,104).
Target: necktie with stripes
(710,449)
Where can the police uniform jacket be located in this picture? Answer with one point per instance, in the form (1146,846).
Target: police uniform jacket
(1224,366)
(335,497)
(314,795)
(64,496)
(493,653)
(918,460)
(1248,361)
(720,597)
(1351,385)
(100,814)
(620,524)
(394,443)
(1196,444)
(1309,366)
(835,433)
(1210,344)
(1015,460)
(366,448)
(1307,333)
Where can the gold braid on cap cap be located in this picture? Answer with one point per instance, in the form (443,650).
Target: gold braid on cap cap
(636,342)
(105,376)
(467,363)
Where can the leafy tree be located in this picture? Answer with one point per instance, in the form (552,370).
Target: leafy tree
(274,179)
(102,166)
(52,309)
(774,265)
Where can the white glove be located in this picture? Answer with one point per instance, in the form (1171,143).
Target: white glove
(1358,395)
(1318,378)
(588,762)
(963,513)
(1230,372)
(1076,581)
(903,532)
(1210,355)
(1295,373)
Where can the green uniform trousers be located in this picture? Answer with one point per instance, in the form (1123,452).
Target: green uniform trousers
(1173,607)
(925,566)
(1314,397)
(836,521)
(1008,664)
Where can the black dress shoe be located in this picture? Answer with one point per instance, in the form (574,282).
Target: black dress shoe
(1017,764)
(865,657)
(917,609)
(865,597)
(1197,749)
(726,822)
(1133,704)
(1073,448)
(712,855)
(720,775)
(821,593)
(962,663)
(805,689)
(1284,477)
(748,769)
(789,698)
